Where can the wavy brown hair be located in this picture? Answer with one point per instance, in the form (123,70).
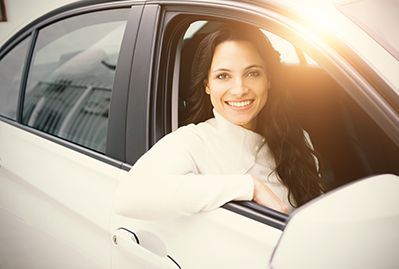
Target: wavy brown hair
(294,157)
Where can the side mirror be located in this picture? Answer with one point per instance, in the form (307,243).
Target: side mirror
(355,226)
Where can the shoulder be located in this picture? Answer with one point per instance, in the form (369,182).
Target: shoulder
(176,153)
(192,131)
(186,137)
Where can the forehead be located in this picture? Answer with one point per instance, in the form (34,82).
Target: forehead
(236,53)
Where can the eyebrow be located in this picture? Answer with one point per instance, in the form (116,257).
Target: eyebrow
(254,66)
(246,68)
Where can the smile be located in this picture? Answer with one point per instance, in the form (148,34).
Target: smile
(239,104)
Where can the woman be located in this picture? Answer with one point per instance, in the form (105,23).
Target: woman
(250,150)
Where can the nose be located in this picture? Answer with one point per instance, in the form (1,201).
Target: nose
(238,87)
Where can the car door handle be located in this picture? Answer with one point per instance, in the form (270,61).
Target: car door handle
(143,240)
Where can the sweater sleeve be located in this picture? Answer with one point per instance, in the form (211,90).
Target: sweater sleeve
(163,184)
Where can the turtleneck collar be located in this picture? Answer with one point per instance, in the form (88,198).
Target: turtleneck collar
(243,144)
(224,124)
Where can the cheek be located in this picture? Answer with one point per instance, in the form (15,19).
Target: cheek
(264,98)
(263,94)
(216,91)
(216,98)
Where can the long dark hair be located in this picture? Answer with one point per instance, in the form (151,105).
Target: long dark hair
(294,157)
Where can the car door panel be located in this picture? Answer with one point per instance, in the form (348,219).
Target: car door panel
(56,196)
(216,239)
(15,255)
(60,199)
(139,250)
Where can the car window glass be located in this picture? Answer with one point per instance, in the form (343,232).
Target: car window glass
(287,51)
(11,67)
(193,28)
(71,77)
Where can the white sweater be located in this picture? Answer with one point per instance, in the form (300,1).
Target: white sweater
(197,168)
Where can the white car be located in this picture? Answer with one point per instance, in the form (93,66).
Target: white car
(88,88)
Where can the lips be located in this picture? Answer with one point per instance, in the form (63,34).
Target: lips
(240,104)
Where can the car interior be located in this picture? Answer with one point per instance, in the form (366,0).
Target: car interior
(348,143)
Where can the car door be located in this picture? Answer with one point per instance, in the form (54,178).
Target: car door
(238,235)
(232,237)
(60,130)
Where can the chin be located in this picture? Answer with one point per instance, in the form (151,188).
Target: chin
(240,122)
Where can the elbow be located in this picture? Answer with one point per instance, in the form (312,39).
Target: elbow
(132,208)
(136,203)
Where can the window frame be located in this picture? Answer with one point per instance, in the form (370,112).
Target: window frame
(7,48)
(141,103)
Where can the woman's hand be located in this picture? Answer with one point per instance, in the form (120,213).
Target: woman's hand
(263,195)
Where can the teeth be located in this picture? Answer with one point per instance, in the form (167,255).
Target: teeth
(239,104)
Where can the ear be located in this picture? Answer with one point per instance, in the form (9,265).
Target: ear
(206,86)
(207,90)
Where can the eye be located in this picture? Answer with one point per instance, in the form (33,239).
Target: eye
(253,74)
(222,76)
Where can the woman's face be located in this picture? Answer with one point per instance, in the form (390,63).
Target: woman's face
(237,82)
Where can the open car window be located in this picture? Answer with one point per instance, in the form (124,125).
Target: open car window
(340,130)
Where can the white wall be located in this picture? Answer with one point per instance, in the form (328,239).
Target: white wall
(21,12)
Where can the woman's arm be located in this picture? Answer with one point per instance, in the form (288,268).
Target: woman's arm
(159,196)
(164,183)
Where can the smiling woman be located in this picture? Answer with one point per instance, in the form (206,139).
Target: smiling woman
(238,52)
(244,146)
(237,83)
